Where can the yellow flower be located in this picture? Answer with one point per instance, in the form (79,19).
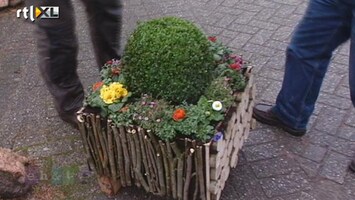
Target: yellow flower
(113,92)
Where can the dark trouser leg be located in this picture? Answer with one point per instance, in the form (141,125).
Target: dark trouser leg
(105,20)
(57,47)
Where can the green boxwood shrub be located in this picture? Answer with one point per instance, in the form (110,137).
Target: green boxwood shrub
(168,58)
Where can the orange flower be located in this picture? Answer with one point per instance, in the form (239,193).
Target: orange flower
(124,109)
(97,85)
(116,71)
(179,114)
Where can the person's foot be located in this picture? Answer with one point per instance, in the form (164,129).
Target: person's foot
(71,119)
(263,113)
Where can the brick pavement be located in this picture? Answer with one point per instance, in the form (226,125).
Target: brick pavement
(272,164)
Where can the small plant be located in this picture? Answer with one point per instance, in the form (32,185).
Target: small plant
(168,58)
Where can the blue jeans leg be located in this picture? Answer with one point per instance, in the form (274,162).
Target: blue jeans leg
(325,25)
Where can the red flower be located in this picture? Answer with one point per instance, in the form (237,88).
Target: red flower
(212,38)
(179,114)
(235,66)
(97,85)
(109,62)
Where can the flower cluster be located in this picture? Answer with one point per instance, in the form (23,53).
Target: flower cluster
(113,92)
(168,121)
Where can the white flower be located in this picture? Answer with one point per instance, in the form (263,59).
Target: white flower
(217,105)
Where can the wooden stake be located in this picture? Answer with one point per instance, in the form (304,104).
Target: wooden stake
(126,155)
(188,176)
(200,172)
(138,166)
(159,163)
(144,160)
(166,167)
(119,156)
(172,164)
(111,152)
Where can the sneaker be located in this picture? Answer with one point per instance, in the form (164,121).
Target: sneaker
(263,113)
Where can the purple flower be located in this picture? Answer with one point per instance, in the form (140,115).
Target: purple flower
(218,136)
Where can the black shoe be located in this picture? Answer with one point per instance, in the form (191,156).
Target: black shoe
(263,113)
(71,119)
(352,165)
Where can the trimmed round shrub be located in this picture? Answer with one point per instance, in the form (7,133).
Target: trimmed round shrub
(168,58)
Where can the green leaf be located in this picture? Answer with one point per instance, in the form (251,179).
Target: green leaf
(115,107)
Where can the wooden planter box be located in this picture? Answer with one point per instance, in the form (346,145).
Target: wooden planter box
(183,169)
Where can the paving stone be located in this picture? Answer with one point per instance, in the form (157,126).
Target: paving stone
(226,21)
(282,34)
(240,40)
(271,92)
(285,10)
(341,59)
(275,166)
(261,37)
(261,136)
(343,146)
(246,18)
(329,124)
(285,184)
(347,132)
(262,50)
(272,74)
(68,159)
(320,138)
(263,151)
(242,28)
(342,91)
(310,167)
(298,196)
(242,184)
(276,45)
(290,21)
(335,167)
(350,119)
(331,82)
(265,14)
(314,152)
(49,149)
(329,190)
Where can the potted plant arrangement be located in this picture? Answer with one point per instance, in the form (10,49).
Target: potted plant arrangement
(171,115)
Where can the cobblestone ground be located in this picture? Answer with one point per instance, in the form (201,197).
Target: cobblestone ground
(272,164)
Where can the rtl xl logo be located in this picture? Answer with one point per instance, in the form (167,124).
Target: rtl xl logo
(41,12)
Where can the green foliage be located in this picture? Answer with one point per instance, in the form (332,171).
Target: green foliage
(168,58)
(220,90)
